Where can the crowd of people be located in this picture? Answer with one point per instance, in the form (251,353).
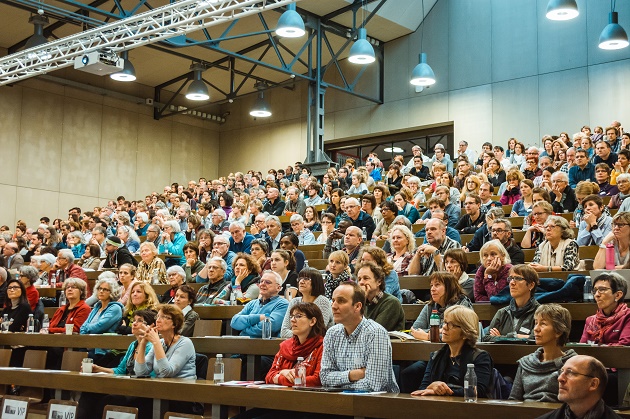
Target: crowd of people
(228,235)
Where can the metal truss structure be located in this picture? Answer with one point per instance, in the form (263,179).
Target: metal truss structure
(165,29)
(155,25)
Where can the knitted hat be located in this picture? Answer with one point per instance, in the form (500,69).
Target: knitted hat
(114,241)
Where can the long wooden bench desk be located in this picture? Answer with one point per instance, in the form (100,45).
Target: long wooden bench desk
(204,391)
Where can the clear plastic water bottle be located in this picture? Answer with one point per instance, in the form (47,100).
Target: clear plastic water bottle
(588,290)
(62,299)
(45,324)
(219,369)
(470,384)
(526,223)
(232,297)
(5,323)
(266,328)
(373,241)
(30,324)
(53,279)
(300,376)
(155,276)
(364,234)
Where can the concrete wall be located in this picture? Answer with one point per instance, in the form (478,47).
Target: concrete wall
(62,147)
(503,70)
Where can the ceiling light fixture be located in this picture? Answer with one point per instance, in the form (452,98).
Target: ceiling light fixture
(128,73)
(613,36)
(422,74)
(562,10)
(362,51)
(261,108)
(290,24)
(197,89)
(393,150)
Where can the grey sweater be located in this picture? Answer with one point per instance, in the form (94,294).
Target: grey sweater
(536,380)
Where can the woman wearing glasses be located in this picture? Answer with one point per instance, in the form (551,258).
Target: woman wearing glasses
(516,319)
(16,305)
(537,375)
(445,373)
(559,252)
(620,239)
(611,324)
(310,290)
(595,224)
(76,310)
(535,233)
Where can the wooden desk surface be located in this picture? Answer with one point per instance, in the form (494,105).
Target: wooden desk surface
(382,406)
(611,356)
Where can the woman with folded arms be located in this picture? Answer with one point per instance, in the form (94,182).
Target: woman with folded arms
(611,324)
(537,375)
(447,367)
(559,252)
(516,319)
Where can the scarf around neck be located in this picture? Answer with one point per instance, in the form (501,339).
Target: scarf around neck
(602,323)
(549,257)
(294,350)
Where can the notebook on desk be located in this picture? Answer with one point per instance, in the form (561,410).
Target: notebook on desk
(625,274)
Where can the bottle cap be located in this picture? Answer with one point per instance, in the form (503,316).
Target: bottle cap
(219,355)
(470,365)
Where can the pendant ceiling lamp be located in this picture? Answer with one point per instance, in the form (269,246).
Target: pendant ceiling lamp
(562,10)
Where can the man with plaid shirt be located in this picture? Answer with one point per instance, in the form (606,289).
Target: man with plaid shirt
(357,351)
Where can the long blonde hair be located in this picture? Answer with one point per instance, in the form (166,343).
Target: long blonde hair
(465,191)
(151,298)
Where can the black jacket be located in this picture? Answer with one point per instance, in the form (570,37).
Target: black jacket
(568,205)
(118,258)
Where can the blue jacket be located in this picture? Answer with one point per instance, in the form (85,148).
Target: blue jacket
(392,285)
(175,247)
(245,246)
(78,250)
(107,322)
(410,212)
(122,366)
(248,320)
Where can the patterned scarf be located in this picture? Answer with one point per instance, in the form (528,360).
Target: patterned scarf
(602,323)
(332,283)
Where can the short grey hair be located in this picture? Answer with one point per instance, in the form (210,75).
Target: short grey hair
(508,224)
(296,217)
(30,272)
(113,286)
(495,213)
(496,243)
(274,219)
(560,176)
(77,282)
(238,225)
(414,180)
(404,219)
(221,261)
(67,255)
(174,225)
(354,201)
(221,213)
(276,276)
(178,270)
(623,176)
(567,231)
(78,235)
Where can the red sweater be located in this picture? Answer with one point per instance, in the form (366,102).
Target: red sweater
(33,296)
(312,362)
(77,316)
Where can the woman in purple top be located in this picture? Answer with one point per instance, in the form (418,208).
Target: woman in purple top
(492,275)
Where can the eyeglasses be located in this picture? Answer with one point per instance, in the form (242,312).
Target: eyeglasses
(515,279)
(141,321)
(99,289)
(163,317)
(620,225)
(498,230)
(450,325)
(572,374)
(13,288)
(296,316)
(601,290)
(215,244)
(303,278)
(551,226)
(71,287)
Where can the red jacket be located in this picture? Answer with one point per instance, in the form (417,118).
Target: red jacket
(312,362)
(77,316)
(33,296)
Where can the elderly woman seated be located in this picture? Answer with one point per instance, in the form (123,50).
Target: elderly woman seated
(559,252)
(44,263)
(516,319)
(176,277)
(129,237)
(151,268)
(447,367)
(28,276)
(611,324)
(620,240)
(304,234)
(491,277)
(76,242)
(537,375)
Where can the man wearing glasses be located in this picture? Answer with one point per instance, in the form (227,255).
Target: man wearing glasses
(582,382)
(562,197)
(217,289)
(583,169)
(221,249)
(502,230)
